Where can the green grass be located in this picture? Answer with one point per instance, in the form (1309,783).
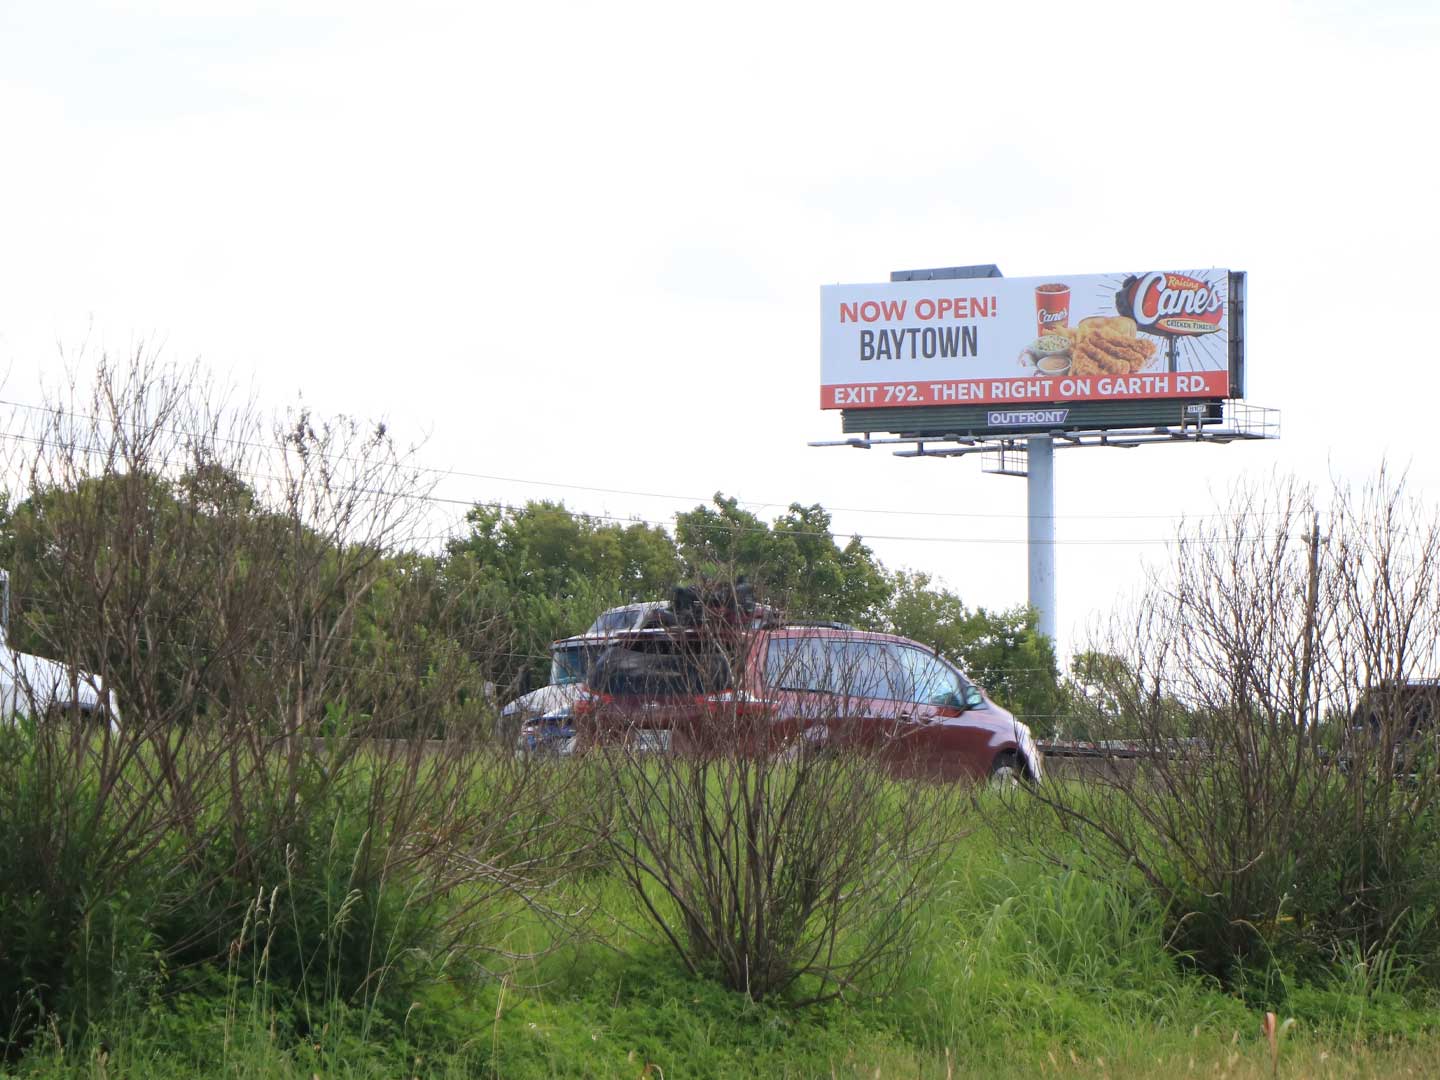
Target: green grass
(1020,968)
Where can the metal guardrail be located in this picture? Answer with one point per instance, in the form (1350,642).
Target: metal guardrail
(1116,748)
(1073,748)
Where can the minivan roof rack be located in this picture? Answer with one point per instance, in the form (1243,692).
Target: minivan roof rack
(824,624)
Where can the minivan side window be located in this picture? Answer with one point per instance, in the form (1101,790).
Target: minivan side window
(863,669)
(830,665)
(925,678)
(796,663)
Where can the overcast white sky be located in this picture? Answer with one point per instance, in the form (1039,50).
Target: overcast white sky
(582,243)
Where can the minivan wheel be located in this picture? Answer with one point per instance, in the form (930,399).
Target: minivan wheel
(1007,772)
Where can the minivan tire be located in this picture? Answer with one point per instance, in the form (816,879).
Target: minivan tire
(1007,771)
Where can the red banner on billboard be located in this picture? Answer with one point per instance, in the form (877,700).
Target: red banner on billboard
(1200,384)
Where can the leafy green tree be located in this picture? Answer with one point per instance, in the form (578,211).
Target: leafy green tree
(423,656)
(793,562)
(1097,692)
(167,623)
(187,596)
(542,548)
(1106,697)
(546,572)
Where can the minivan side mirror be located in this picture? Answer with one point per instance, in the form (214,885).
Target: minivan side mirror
(969,698)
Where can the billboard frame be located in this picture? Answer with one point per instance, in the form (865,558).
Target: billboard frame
(1178,361)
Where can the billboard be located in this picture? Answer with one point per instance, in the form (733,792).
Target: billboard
(1005,342)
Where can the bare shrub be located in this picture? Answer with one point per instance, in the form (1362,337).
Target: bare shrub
(769,844)
(1269,825)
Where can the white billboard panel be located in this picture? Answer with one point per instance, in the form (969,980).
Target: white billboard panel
(1092,337)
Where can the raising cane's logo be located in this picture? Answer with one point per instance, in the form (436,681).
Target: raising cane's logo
(1174,304)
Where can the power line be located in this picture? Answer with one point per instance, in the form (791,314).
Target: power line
(631,492)
(725,527)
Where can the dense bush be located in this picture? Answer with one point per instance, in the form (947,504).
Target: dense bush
(266,778)
(331,877)
(69,923)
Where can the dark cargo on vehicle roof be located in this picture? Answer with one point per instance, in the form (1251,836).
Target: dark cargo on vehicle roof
(661,665)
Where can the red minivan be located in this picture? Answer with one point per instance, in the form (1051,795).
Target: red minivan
(800,685)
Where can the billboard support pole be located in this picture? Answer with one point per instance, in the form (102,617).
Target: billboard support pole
(1040,506)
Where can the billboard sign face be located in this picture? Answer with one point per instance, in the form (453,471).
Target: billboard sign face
(1026,341)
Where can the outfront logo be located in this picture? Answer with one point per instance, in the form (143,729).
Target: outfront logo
(1025,417)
